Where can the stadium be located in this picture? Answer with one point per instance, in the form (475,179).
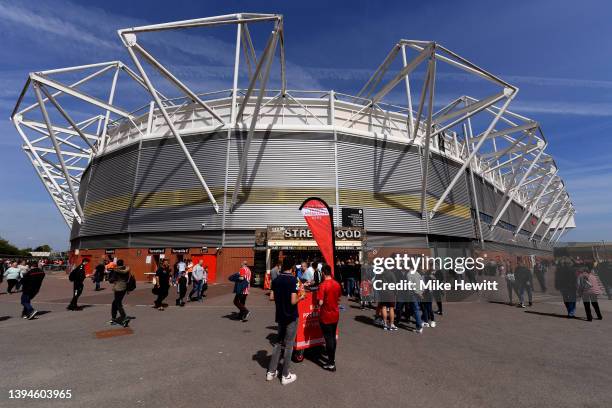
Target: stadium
(408,163)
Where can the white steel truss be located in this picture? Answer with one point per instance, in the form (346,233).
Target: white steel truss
(480,134)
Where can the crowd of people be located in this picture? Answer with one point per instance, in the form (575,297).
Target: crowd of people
(290,280)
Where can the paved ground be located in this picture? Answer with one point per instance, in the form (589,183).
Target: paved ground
(481,354)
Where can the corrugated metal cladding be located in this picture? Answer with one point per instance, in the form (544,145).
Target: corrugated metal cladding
(108,192)
(168,196)
(441,173)
(282,168)
(104,241)
(150,192)
(495,246)
(488,199)
(378,240)
(383,178)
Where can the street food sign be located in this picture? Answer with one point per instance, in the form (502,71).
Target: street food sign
(277,233)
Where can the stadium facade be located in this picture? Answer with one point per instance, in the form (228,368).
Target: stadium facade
(221,175)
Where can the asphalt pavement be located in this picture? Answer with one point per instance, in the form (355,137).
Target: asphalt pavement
(481,354)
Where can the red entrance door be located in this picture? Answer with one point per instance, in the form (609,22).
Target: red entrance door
(210,261)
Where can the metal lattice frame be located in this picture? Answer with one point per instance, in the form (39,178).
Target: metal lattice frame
(482,135)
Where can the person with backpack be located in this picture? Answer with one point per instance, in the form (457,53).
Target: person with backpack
(122,282)
(589,288)
(77,277)
(31,283)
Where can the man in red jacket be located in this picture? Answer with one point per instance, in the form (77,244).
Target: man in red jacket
(329,297)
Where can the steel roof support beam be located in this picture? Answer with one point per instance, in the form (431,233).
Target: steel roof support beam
(175,81)
(129,41)
(431,74)
(558,218)
(80,95)
(256,76)
(58,151)
(510,94)
(570,215)
(408,93)
(548,208)
(467,132)
(68,118)
(61,206)
(512,195)
(407,69)
(268,58)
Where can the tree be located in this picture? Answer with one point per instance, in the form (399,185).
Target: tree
(42,248)
(6,248)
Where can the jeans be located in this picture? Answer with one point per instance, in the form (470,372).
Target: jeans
(27,306)
(329,333)
(97,284)
(415,309)
(541,280)
(350,287)
(118,305)
(286,337)
(428,315)
(571,308)
(197,288)
(78,289)
(522,294)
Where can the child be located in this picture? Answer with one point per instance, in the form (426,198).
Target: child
(182,289)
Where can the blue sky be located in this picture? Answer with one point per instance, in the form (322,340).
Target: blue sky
(557,52)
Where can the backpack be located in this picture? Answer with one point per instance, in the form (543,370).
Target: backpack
(72,276)
(131,283)
(112,276)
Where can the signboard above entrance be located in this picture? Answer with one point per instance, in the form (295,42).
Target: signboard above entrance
(352,217)
(278,233)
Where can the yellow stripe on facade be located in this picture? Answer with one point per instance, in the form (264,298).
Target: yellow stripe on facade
(275,196)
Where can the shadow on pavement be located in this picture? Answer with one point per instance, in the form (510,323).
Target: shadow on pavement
(263,358)
(552,315)
(3,318)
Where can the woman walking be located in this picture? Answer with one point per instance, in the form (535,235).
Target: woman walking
(163,284)
(589,288)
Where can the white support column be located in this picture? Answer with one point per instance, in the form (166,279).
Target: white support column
(512,195)
(58,151)
(548,208)
(247,144)
(232,124)
(111,97)
(530,208)
(571,214)
(129,41)
(510,95)
(408,93)
(555,218)
(431,73)
(559,221)
(473,185)
(332,123)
